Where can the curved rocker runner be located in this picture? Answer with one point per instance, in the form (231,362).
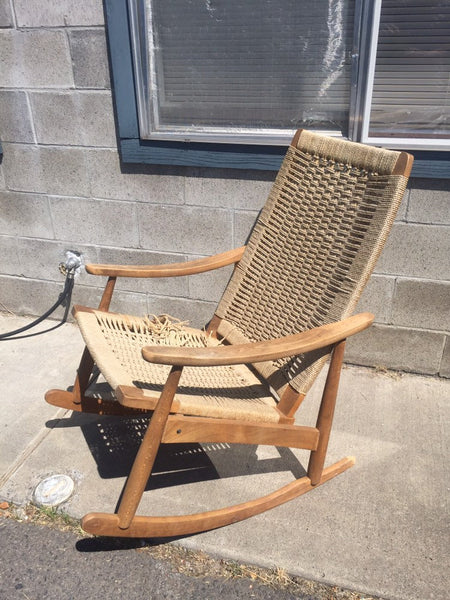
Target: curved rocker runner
(284,313)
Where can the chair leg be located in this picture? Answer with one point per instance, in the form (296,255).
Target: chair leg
(83,375)
(87,362)
(75,399)
(148,449)
(326,413)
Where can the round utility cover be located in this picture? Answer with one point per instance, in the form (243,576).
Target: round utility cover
(53,490)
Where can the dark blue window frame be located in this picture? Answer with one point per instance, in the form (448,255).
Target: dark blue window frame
(132,149)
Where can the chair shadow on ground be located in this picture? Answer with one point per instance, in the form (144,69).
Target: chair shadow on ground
(114,441)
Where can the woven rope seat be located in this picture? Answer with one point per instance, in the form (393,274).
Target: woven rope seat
(115,342)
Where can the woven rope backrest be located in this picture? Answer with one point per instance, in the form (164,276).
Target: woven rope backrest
(312,249)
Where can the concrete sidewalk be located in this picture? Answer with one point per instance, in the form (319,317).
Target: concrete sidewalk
(380,528)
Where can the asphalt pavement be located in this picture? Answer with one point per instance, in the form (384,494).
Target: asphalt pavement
(40,563)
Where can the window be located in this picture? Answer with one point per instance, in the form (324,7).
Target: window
(408,98)
(229,69)
(226,82)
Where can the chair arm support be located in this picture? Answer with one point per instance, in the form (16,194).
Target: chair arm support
(192,267)
(254,352)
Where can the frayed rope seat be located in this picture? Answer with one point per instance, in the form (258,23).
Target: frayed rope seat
(115,342)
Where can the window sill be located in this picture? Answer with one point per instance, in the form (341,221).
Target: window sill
(434,165)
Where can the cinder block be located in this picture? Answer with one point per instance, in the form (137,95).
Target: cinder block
(377,298)
(25,296)
(65,171)
(401,213)
(417,251)
(444,371)
(23,168)
(159,286)
(74,118)
(209,286)
(422,304)
(89,58)
(39,259)
(129,303)
(59,171)
(123,302)
(47,13)
(224,189)
(413,350)
(6,17)
(429,201)
(35,58)
(99,222)
(143,183)
(26,215)
(15,118)
(196,312)
(185,229)
(9,262)
(85,295)
(243,225)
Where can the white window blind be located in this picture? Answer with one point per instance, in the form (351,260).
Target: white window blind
(255,66)
(377,71)
(411,87)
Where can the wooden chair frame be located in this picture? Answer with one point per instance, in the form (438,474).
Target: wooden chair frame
(171,428)
(166,426)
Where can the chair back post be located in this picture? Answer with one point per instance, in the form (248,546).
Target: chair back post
(213,325)
(290,401)
(326,413)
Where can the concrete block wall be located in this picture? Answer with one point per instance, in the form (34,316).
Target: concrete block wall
(62,187)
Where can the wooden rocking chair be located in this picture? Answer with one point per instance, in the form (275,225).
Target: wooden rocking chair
(286,308)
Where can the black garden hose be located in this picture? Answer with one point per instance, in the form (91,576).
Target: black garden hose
(64,297)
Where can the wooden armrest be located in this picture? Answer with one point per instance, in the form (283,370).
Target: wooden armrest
(234,354)
(201,265)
